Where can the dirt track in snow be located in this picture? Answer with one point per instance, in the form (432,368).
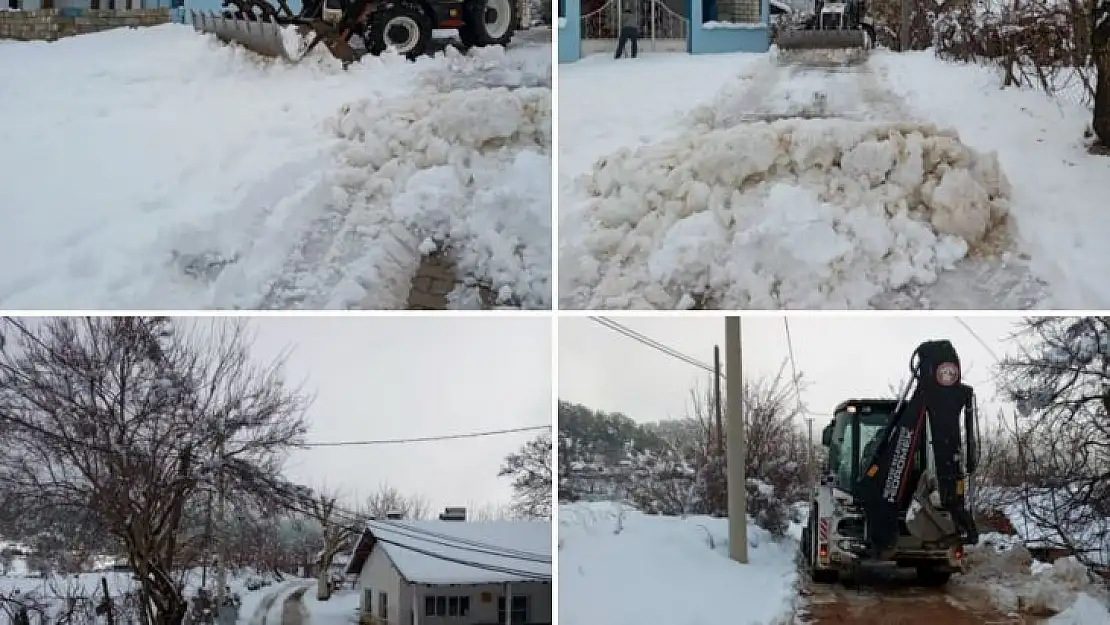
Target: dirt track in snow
(883,598)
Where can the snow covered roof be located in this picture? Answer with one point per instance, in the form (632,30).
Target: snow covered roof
(460,552)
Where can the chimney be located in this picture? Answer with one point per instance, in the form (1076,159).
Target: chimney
(394,515)
(453,514)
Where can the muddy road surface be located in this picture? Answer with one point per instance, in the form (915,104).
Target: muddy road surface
(893,597)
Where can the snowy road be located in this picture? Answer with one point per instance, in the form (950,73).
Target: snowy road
(895,599)
(690,214)
(157,168)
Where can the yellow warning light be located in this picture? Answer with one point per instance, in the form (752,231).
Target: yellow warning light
(873,470)
(960,486)
(851,408)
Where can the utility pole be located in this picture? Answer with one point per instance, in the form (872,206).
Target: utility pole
(221,544)
(904,27)
(737,446)
(810,473)
(717,399)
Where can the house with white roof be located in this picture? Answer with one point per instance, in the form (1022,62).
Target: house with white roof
(453,572)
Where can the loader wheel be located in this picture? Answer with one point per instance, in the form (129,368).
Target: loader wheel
(932,576)
(402,26)
(489,22)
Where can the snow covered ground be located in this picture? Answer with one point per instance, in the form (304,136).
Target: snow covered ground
(158,168)
(753,183)
(1002,568)
(622,567)
(340,609)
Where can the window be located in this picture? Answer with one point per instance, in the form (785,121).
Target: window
(518,613)
(447,606)
(368,600)
(383,606)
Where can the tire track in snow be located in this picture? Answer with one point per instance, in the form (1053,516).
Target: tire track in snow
(262,611)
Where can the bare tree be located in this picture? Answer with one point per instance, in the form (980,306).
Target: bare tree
(388,499)
(123,421)
(530,469)
(336,529)
(490,512)
(1060,382)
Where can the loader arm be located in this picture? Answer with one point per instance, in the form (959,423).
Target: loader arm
(932,412)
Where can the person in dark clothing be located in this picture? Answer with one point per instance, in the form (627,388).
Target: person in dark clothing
(630,32)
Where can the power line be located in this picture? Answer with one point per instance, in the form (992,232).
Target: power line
(978,338)
(793,364)
(652,343)
(426,439)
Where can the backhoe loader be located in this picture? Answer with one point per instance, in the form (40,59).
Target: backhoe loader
(893,490)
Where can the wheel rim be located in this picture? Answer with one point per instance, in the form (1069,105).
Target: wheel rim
(498,16)
(402,33)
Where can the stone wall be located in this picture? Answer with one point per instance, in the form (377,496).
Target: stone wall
(52,24)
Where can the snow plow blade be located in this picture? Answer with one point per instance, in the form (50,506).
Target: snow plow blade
(822,48)
(260,37)
(822,40)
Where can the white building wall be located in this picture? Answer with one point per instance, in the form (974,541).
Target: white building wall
(380,576)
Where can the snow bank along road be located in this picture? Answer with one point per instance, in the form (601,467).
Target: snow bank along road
(158,168)
(751,182)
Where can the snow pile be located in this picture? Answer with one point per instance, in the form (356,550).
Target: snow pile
(490,66)
(611,557)
(1004,568)
(792,213)
(195,171)
(1085,611)
(465,169)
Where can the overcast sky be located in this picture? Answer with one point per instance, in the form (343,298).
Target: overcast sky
(839,357)
(401,377)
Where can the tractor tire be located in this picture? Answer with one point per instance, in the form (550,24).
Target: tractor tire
(932,577)
(401,25)
(489,22)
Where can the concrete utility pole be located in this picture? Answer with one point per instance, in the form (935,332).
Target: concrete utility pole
(737,446)
(720,438)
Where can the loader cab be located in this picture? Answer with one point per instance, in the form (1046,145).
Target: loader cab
(857,426)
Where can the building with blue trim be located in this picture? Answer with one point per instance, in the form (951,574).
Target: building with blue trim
(713,27)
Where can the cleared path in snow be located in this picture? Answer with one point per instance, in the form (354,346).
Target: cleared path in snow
(293,611)
(893,598)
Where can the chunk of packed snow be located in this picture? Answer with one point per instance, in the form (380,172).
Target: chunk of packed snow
(794,213)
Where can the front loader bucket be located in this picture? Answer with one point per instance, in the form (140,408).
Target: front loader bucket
(821,39)
(260,37)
